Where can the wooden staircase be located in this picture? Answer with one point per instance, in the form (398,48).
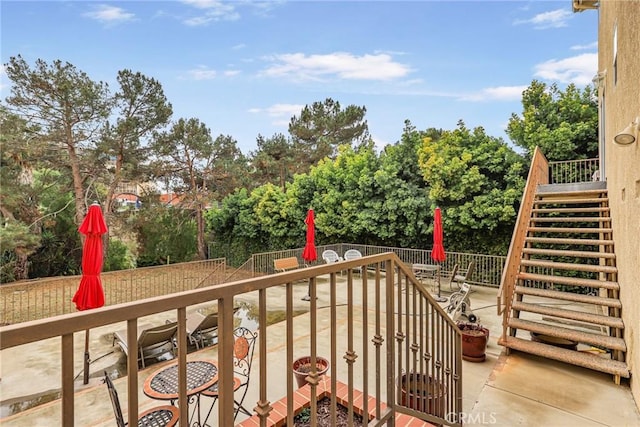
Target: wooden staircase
(566,294)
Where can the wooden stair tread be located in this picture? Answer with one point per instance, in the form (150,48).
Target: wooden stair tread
(567,200)
(572,210)
(565,241)
(575,254)
(574,193)
(598,319)
(569,296)
(585,230)
(593,268)
(578,358)
(572,219)
(571,281)
(602,340)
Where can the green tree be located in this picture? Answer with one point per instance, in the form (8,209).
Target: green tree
(235,231)
(564,124)
(185,154)
(60,253)
(165,235)
(477,180)
(345,195)
(322,127)
(140,109)
(66,108)
(228,169)
(274,160)
(404,211)
(19,207)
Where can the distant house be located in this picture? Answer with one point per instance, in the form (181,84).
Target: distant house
(128,200)
(171,199)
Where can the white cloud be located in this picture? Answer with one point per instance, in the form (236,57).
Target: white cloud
(3,77)
(214,11)
(498,93)
(280,113)
(341,64)
(202,4)
(589,46)
(231,73)
(202,73)
(109,14)
(578,69)
(239,46)
(552,19)
(379,143)
(279,110)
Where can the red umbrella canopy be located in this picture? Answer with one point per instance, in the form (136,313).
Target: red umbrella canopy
(90,293)
(437,253)
(309,253)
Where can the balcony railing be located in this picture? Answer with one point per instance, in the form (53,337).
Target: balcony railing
(41,298)
(487,272)
(574,171)
(393,328)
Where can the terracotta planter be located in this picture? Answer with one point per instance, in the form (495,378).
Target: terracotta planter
(474,341)
(302,367)
(423,393)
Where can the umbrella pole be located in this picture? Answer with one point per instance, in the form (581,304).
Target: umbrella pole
(85,379)
(308,296)
(439,298)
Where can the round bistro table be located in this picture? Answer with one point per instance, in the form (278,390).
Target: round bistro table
(163,383)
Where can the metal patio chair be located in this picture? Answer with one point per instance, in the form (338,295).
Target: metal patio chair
(244,345)
(459,279)
(151,341)
(166,415)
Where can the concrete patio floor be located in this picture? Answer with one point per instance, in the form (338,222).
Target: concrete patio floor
(519,389)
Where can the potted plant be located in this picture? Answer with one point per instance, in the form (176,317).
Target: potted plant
(475,338)
(423,393)
(302,368)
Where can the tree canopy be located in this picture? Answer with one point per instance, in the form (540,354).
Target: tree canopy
(322,127)
(68,140)
(564,124)
(478,181)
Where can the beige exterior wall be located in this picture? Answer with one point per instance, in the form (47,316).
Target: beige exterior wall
(620,105)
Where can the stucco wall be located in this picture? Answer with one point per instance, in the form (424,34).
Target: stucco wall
(622,163)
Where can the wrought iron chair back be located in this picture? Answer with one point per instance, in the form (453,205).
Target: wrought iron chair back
(159,416)
(243,349)
(115,402)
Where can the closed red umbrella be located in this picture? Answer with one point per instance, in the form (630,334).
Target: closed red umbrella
(309,253)
(90,293)
(437,253)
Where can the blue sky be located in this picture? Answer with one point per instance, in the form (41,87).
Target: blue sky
(245,68)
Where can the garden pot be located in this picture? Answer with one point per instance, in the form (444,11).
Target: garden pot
(474,341)
(423,393)
(302,367)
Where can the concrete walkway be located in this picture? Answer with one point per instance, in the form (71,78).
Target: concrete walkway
(504,391)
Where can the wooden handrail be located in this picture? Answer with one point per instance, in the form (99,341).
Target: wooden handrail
(405,321)
(538,174)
